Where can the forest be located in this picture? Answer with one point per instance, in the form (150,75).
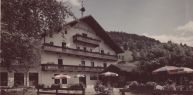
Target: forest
(153,54)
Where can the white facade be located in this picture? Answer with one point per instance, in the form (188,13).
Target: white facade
(126,56)
(83,53)
(66,36)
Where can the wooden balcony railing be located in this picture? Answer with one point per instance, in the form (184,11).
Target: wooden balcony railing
(70,68)
(86,40)
(79,52)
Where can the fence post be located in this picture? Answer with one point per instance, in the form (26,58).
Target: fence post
(38,91)
(56,91)
(122,92)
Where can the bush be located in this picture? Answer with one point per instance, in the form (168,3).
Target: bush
(55,86)
(134,85)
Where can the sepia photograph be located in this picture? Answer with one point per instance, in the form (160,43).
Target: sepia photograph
(96,47)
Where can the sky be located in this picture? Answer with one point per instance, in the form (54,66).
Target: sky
(164,20)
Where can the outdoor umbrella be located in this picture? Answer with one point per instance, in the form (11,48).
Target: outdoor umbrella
(109,74)
(183,70)
(166,69)
(61,76)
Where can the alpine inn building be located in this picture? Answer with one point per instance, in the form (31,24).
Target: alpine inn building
(81,50)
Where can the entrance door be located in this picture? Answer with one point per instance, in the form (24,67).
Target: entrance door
(3,79)
(82,80)
(60,63)
(18,79)
(33,79)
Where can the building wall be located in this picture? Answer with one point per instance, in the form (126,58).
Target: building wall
(126,56)
(80,28)
(57,39)
(45,77)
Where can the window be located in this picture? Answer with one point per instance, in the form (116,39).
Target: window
(78,47)
(33,79)
(93,77)
(64,81)
(65,31)
(82,63)
(105,65)
(102,51)
(56,81)
(84,35)
(3,79)
(63,44)
(84,48)
(3,63)
(18,79)
(60,62)
(92,64)
(51,43)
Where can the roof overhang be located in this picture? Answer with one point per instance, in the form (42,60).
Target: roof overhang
(98,30)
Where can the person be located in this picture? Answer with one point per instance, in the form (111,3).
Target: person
(110,88)
(127,85)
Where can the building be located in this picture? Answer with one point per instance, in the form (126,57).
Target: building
(81,50)
(127,55)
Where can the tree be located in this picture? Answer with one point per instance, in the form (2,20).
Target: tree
(24,23)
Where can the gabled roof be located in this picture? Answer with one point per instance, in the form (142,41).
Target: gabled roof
(98,30)
(121,68)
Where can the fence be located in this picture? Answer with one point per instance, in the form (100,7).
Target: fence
(60,91)
(156,92)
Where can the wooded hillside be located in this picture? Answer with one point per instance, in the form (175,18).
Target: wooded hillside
(152,53)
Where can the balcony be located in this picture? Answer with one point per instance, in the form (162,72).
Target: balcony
(78,52)
(86,40)
(70,68)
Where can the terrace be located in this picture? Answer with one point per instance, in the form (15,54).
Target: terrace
(78,52)
(70,68)
(86,40)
